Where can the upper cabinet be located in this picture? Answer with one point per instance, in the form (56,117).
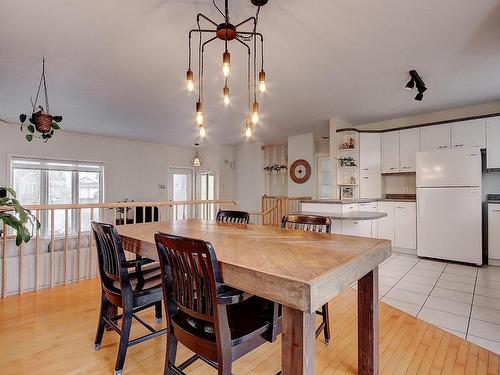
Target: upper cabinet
(369,153)
(493,142)
(390,151)
(435,137)
(471,133)
(409,145)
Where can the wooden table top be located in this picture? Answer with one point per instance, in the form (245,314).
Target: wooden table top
(299,269)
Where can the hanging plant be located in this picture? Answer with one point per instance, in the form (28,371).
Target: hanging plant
(41,123)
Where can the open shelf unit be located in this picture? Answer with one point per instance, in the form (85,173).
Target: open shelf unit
(348,176)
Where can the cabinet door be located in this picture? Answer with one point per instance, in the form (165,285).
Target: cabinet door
(493,142)
(405,225)
(371,207)
(360,228)
(493,232)
(471,133)
(436,137)
(386,224)
(409,145)
(370,185)
(390,152)
(369,152)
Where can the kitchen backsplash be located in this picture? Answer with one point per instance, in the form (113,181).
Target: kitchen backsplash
(399,184)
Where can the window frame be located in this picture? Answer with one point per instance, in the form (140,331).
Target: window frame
(44,186)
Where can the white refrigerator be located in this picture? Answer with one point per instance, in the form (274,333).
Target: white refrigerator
(449,205)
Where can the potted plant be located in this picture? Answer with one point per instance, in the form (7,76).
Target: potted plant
(17,217)
(42,123)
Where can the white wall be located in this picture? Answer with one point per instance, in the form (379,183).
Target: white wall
(249,176)
(133,169)
(302,147)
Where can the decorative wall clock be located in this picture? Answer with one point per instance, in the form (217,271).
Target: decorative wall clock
(300,171)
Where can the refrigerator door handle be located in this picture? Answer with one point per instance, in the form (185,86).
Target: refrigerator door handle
(419,209)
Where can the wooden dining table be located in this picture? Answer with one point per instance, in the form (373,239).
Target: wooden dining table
(298,269)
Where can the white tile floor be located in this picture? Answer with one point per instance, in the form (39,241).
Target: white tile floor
(463,300)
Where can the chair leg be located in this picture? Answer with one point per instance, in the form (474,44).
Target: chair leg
(326,319)
(170,354)
(124,338)
(101,324)
(158,312)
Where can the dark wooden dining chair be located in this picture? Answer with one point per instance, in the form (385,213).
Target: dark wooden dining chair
(132,291)
(232,216)
(216,322)
(312,223)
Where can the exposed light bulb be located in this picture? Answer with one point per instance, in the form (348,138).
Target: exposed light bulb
(189,80)
(202,132)
(248,128)
(226,62)
(255,113)
(225,91)
(262,81)
(199,113)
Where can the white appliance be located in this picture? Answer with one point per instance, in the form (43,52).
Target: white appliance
(449,205)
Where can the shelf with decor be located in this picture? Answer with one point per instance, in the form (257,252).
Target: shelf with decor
(348,162)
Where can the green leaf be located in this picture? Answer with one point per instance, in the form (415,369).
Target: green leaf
(57,118)
(31,120)
(55,125)
(51,132)
(22,118)
(29,137)
(11,191)
(31,128)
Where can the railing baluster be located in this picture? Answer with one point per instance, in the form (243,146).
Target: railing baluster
(52,248)
(78,244)
(66,230)
(37,252)
(4,262)
(91,243)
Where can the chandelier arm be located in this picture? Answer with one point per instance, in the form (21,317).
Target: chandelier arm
(202,64)
(251,33)
(216,7)
(248,71)
(199,15)
(245,21)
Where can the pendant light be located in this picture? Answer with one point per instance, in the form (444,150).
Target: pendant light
(226,32)
(248,127)
(196,162)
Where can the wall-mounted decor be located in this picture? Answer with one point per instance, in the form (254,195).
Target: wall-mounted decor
(346,192)
(41,123)
(347,161)
(300,171)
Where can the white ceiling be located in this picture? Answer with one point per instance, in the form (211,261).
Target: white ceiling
(117,67)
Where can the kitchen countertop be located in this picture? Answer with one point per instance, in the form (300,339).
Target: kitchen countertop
(355,215)
(353,201)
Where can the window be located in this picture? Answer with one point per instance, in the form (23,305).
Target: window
(42,181)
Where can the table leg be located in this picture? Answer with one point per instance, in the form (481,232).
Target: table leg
(368,339)
(298,346)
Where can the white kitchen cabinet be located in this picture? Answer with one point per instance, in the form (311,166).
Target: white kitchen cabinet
(470,133)
(386,224)
(493,142)
(405,225)
(370,185)
(435,137)
(371,207)
(361,228)
(369,152)
(409,145)
(389,142)
(494,231)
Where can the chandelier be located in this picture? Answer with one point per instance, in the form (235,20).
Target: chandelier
(228,32)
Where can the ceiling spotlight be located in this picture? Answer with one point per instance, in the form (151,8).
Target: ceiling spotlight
(417,82)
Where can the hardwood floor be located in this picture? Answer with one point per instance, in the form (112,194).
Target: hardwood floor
(52,332)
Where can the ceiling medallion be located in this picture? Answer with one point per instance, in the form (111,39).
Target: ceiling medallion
(228,32)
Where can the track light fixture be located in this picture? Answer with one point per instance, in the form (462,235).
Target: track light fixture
(416,81)
(228,32)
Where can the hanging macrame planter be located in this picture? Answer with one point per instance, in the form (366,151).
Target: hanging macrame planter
(41,123)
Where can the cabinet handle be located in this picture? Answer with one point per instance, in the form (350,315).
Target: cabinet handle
(366,178)
(401,207)
(458,145)
(406,167)
(496,210)
(355,222)
(365,169)
(392,169)
(443,146)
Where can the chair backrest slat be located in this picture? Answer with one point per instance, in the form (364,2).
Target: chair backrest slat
(110,256)
(192,275)
(310,223)
(234,217)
